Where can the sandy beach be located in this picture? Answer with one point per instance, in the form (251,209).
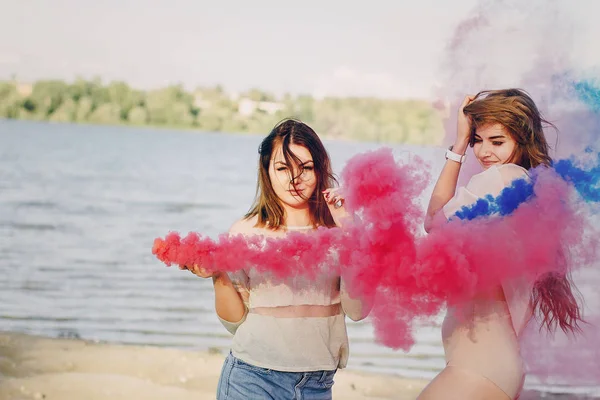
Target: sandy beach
(33,367)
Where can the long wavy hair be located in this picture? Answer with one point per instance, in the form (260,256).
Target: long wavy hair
(553,299)
(267,206)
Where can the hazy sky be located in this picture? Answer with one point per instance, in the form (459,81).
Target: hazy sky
(382,48)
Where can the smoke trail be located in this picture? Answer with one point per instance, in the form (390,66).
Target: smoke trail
(383,259)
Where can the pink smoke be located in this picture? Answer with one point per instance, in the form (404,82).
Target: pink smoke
(382,258)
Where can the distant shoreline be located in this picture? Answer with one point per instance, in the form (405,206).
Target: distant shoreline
(211,109)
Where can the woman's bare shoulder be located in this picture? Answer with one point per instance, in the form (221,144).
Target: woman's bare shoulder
(244,226)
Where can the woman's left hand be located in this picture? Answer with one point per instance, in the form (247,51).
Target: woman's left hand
(335,202)
(199,271)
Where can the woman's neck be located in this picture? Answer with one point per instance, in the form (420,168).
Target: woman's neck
(297,217)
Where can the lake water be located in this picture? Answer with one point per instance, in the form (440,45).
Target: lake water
(81,205)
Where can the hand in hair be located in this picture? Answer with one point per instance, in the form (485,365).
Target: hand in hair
(463,128)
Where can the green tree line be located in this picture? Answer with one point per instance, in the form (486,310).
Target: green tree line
(212,109)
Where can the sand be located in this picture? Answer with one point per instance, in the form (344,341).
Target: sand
(33,367)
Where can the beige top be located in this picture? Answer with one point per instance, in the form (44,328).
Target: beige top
(491,182)
(293,325)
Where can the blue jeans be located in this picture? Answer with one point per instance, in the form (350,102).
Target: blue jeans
(242,381)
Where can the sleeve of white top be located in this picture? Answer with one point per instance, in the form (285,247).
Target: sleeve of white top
(233,326)
(462,198)
(511,172)
(355,309)
(489,182)
(240,281)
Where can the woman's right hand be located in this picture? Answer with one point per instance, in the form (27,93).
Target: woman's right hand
(199,271)
(463,131)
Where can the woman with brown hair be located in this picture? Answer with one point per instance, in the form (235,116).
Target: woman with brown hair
(481,338)
(289,336)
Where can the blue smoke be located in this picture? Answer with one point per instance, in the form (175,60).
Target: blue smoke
(505,203)
(588,93)
(585,181)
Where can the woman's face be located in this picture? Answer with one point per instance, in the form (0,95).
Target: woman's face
(493,146)
(293,184)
